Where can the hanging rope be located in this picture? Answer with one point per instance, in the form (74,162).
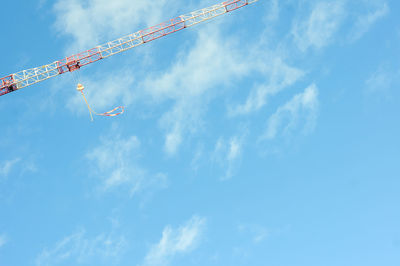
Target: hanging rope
(111,113)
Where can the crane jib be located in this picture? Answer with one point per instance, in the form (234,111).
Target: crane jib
(71,63)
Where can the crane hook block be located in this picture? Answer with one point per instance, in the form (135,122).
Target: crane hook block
(80,87)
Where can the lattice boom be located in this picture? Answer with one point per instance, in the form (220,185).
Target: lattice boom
(34,75)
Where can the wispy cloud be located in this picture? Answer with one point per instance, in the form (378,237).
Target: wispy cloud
(101,22)
(319,27)
(227,154)
(77,248)
(302,107)
(278,76)
(380,81)
(7,166)
(176,242)
(377,10)
(190,80)
(115,163)
(207,71)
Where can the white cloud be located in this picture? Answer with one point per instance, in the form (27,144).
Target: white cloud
(173,139)
(7,166)
(227,153)
(91,22)
(303,106)
(278,76)
(234,149)
(77,248)
(115,163)
(319,28)
(176,242)
(378,10)
(207,71)
(197,76)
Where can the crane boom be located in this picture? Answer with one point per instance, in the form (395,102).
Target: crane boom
(31,76)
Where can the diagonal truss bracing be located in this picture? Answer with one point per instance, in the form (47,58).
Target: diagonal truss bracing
(31,76)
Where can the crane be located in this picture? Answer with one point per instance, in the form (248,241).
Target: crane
(72,63)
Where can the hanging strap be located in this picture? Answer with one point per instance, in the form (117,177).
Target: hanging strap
(88,106)
(110,113)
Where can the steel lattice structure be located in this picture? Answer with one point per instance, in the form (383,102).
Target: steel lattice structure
(31,76)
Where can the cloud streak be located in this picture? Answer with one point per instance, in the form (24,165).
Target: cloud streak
(7,166)
(303,106)
(77,248)
(318,29)
(115,163)
(192,81)
(279,76)
(227,153)
(379,9)
(176,242)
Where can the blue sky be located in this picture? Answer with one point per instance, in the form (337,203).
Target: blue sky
(268,136)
